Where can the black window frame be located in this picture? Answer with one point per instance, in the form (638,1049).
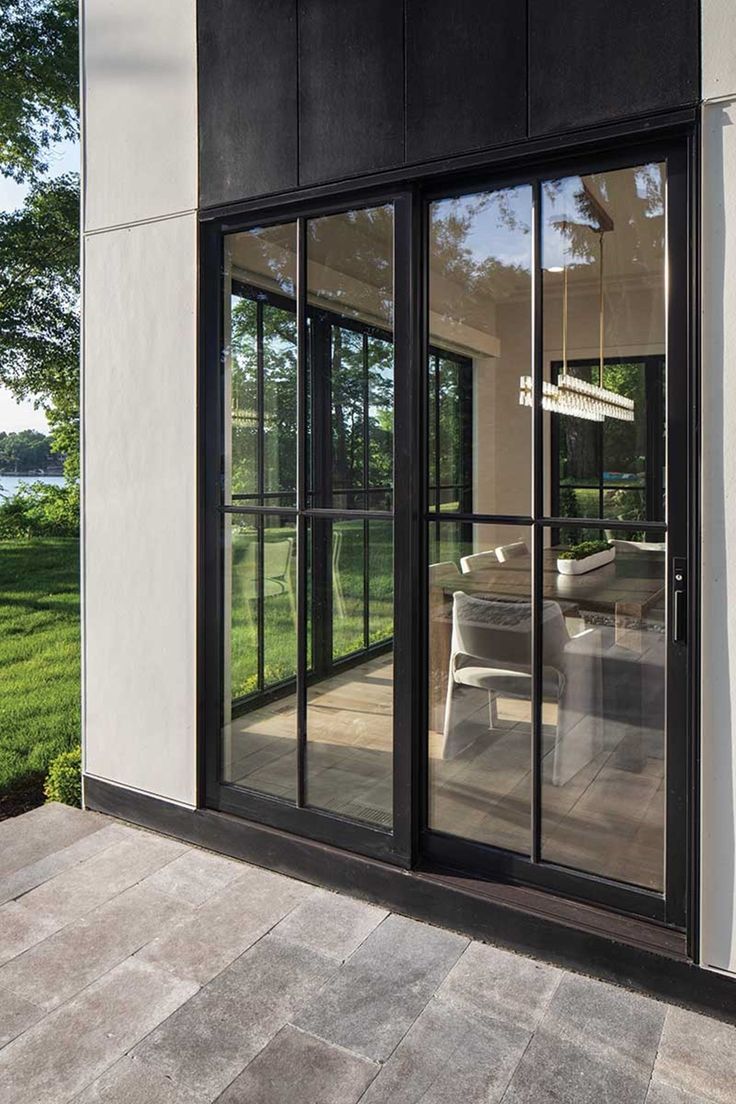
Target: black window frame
(411,842)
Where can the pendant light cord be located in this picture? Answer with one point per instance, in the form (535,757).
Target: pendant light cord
(564,321)
(600,314)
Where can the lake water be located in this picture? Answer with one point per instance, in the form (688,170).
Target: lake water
(9,484)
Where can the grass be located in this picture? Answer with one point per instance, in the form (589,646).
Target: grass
(39,656)
(279,616)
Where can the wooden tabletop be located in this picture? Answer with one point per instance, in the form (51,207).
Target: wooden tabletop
(633,578)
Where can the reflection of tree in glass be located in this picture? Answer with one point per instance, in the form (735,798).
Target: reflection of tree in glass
(279,371)
(633,198)
(362,398)
(347,409)
(272,252)
(357,245)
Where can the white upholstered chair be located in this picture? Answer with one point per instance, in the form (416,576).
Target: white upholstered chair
(478,561)
(491,651)
(511,551)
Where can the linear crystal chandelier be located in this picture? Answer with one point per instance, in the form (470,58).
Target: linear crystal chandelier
(578,399)
(575,397)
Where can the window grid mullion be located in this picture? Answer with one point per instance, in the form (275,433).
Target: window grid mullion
(537,528)
(301,503)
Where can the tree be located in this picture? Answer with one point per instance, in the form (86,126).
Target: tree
(39,74)
(24,452)
(39,267)
(39,244)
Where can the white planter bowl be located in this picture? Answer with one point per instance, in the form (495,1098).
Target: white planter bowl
(590,563)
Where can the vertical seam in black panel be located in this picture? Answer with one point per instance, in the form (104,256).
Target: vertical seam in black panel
(199,102)
(405,82)
(298,99)
(528,74)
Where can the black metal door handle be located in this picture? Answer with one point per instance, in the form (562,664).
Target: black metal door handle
(679,600)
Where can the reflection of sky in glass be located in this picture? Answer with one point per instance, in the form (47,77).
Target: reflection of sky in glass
(498,224)
(561,203)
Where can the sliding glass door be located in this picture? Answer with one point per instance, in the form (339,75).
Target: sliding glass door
(306,524)
(556,630)
(446,526)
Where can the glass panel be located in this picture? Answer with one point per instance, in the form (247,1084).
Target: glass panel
(259,727)
(348,408)
(351,399)
(260,367)
(350,361)
(380,581)
(603,770)
(279,406)
(480,287)
(348,556)
(450,433)
(243,412)
(603,257)
(480,682)
(380,420)
(350,707)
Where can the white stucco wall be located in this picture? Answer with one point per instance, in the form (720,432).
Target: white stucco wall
(718,761)
(140,394)
(140,117)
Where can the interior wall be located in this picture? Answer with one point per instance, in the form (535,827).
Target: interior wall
(139,394)
(718,524)
(502,428)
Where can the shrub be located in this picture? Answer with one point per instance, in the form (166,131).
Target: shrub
(585,548)
(64,780)
(40,510)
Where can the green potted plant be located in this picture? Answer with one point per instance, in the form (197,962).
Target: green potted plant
(586,556)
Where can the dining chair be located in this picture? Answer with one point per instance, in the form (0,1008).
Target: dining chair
(491,651)
(338,594)
(511,551)
(638,546)
(277,556)
(478,561)
(443,572)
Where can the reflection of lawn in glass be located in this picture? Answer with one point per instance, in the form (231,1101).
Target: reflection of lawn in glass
(279,625)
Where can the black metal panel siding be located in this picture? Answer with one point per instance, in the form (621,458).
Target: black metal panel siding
(465,75)
(593,61)
(299,92)
(351,88)
(248,123)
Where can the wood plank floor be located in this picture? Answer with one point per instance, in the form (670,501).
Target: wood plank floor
(606,816)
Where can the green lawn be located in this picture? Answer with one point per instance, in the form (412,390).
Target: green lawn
(349,569)
(39,656)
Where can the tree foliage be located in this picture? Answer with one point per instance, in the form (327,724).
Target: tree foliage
(39,272)
(27,451)
(39,73)
(39,243)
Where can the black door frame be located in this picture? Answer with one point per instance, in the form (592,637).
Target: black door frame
(670,907)
(410,843)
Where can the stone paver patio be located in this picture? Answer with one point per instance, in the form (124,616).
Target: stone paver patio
(135,969)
